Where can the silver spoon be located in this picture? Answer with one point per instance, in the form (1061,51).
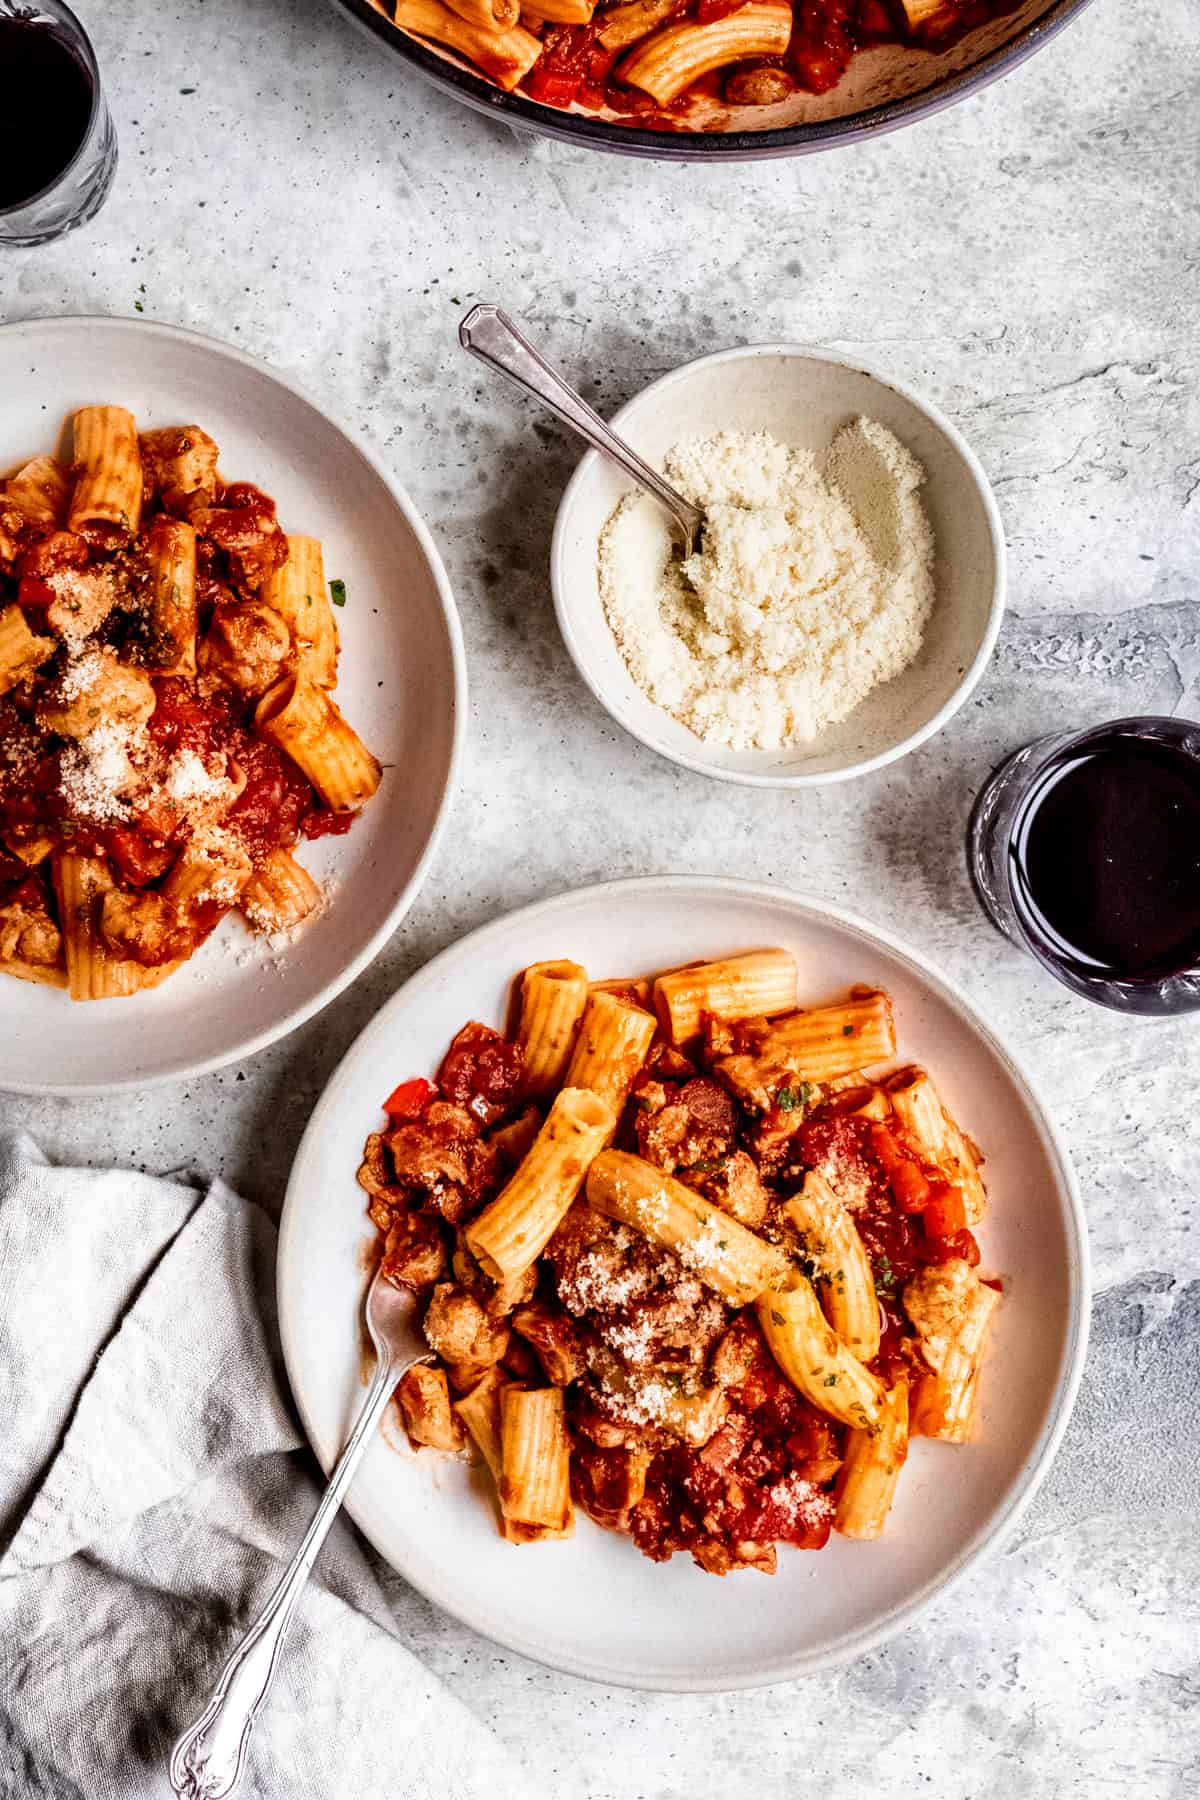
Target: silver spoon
(491,335)
(207,1762)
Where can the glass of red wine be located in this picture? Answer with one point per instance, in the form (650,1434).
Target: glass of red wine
(1085,848)
(58,149)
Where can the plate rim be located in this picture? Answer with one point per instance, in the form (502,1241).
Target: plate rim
(63,324)
(1032,1473)
(695,760)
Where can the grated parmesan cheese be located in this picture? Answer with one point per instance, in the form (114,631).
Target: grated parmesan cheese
(813,584)
(100,774)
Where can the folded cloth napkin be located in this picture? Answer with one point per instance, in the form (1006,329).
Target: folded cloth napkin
(148,1500)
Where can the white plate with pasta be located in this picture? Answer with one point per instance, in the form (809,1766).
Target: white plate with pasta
(724,1271)
(232,699)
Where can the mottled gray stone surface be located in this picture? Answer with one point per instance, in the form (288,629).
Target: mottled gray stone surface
(1031,260)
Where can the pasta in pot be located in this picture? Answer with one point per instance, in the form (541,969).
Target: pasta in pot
(649,62)
(708,1309)
(167,727)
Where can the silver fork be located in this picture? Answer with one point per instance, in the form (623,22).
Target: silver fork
(489,334)
(208,1760)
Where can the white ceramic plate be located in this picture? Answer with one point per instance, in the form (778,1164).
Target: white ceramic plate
(593,1606)
(800,396)
(402,684)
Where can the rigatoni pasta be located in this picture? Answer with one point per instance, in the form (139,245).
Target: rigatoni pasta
(712,1312)
(106,502)
(738,987)
(690,64)
(510,1235)
(553,996)
(167,729)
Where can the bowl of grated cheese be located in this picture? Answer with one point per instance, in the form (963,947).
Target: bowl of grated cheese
(849,585)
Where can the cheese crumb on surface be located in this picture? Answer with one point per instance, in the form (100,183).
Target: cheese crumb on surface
(813,584)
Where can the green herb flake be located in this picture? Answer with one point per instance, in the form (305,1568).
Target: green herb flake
(885,1276)
(337,592)
(831,1381)
(778,1317)
(138,307)
(847,1031)
(674,1380)
(789,1099)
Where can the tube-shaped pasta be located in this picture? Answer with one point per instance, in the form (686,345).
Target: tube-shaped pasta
(816,1045)
(814,1358)
(171,597)
(479,1411)
(39,491)
(553,996)
(106,504)
(723,1254)
(304,721)
(297,592)
(511,1233)
(29,844)
(517,1139)
(93,971)
(611,1047)
(739,987)
(280,893)
(22,651)
(507,56)
(866,1483)
(213,867)
(951,1309)
(492,15)
(555,12)
(535,1458)
(620,26)
(845,1284)
(672,59)
(634,990)
(44,974)
(919,1108)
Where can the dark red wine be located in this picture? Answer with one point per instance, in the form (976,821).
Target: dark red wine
(1107,857)
(45,108)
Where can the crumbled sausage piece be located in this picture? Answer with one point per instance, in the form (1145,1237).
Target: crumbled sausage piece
(413,1254)
(457,1327)
(555,1338)
(429,1417)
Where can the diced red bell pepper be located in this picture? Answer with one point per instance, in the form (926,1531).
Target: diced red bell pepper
(410,1099)
(138,860)
(32,591)
(909,1186)
(944,1214)
(554,87)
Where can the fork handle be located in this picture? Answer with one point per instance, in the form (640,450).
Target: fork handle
(207,1761)
(488,333)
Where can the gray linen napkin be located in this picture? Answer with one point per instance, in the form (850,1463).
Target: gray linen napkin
(147,1499)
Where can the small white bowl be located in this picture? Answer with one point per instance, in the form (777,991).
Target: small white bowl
(801,396)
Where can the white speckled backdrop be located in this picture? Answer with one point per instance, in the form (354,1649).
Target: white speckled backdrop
(1031,259)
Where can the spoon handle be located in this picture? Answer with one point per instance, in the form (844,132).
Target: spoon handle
(207,1761)
(490,334)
